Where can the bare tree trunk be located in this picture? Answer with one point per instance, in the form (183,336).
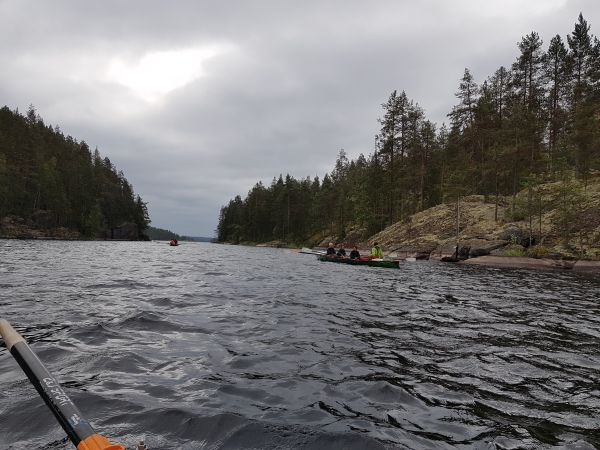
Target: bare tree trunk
(442,194)
(514,194)
(457,223)
(529,207)
(496,183)
(540,215)
(422,181)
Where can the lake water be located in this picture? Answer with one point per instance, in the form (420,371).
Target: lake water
(206,346)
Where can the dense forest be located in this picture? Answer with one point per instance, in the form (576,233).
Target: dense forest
(49,180)
(535,121)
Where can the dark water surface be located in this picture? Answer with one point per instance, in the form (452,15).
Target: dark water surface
(220,347)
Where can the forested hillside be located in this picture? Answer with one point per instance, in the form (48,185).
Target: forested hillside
(160,234)
(534,121)
(49,181)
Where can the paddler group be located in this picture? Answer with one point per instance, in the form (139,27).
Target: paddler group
(376,252)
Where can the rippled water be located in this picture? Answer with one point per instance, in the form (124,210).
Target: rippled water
(205,346)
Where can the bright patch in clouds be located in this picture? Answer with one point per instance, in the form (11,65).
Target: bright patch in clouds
(512,8)
(158,73)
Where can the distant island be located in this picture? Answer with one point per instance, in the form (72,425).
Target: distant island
(516,171)
(199,239)
(160,234)
(53,186)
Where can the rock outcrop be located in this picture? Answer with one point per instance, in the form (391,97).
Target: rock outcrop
(14,227)
(517,262)
(551,228)
(17,228)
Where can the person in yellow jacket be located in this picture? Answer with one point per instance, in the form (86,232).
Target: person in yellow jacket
(376,252)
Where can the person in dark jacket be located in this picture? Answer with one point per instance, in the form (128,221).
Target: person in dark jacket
(330,250)
(354,254)
(341,252)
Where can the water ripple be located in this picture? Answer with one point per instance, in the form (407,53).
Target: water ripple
(224,347)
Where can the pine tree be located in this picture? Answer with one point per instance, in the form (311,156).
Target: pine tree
(463,138)
(463,114)
(529,87)
(580,44)
(557,73)
(582,107)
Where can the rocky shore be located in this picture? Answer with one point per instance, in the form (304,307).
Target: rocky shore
(503,232)
(13,227)
(519,262)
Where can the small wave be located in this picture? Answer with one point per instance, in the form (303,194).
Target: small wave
(157,323)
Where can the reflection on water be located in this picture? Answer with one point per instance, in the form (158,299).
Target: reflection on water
(205,346)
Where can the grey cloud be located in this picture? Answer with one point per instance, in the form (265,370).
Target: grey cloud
(300,81)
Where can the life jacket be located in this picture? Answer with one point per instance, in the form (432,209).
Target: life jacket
(376,252)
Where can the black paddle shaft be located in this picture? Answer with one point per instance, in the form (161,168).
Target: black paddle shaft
(65,411)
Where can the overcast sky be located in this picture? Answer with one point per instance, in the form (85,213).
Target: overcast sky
(197,101)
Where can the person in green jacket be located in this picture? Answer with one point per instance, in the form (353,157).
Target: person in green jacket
(376,252)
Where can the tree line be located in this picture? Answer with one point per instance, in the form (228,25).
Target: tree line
(160,234)
(537,120)
(51,180)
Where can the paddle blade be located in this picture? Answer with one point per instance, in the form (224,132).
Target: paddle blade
(97,442)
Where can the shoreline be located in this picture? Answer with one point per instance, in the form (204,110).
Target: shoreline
(523,262)
(52,238)
(502,262)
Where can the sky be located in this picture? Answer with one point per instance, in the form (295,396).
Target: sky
(197,101)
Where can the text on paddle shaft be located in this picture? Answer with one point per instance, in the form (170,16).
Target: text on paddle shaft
(59,397)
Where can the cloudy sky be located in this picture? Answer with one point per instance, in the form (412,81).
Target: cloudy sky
(197,101)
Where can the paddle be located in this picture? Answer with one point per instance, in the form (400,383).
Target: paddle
(70,418)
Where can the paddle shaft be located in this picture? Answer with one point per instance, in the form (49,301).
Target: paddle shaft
(68,415)
(65,411)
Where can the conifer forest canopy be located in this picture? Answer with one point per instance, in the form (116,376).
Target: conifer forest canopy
(51,180)
(535,119)
(198,101)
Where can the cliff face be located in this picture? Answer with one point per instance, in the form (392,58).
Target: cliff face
(557,219)
(434,231)
(552,219)
(13,227)
(19,228)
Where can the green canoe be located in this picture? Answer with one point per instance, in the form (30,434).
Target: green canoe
(360,262)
